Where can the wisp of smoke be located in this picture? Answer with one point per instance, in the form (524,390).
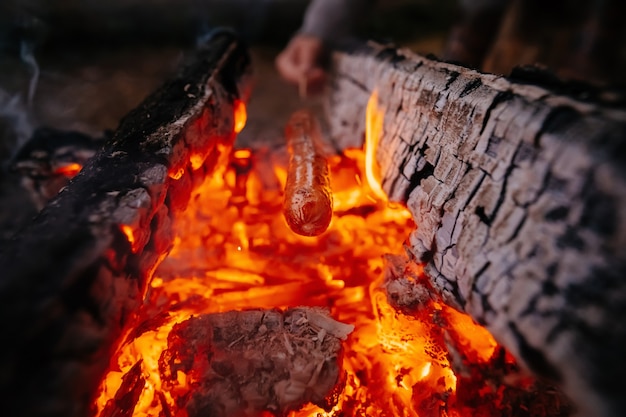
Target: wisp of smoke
(16,121)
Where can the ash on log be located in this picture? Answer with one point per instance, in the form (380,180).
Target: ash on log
(519,196)
(78,272)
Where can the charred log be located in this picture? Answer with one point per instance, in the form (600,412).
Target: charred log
(519,195)
(78,272)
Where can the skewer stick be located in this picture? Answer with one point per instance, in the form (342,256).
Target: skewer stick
(302,87)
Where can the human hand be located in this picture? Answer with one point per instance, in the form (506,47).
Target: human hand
(302,63)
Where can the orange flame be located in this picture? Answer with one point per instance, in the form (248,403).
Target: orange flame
(241,115)
(130,236)
(374,118)
(196,160)
(69,170)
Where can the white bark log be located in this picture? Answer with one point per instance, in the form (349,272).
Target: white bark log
(519,195)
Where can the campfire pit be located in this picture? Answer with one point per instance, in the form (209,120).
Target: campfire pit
(98,310)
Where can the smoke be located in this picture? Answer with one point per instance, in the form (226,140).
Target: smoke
(16,124)
(21,33)
(27,54)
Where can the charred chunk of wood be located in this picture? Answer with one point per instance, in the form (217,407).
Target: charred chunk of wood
(241,363)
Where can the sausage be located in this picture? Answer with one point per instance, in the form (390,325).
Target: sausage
(308,205)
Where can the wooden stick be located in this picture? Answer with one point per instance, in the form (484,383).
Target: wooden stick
(302,88)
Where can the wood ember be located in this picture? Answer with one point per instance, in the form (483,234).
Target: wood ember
(519,196)
(126,397)
(78,273)
(240,363)
(43,161)
(497,386)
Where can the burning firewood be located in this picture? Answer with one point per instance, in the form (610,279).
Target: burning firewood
(519,195)
(308,204)
(241,363)
(98,241)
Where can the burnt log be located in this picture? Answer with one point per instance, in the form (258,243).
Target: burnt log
(519,196)
(77,274)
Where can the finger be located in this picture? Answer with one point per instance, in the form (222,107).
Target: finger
(316,80)
(289,66)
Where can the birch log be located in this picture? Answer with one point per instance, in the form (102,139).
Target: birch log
(519,196)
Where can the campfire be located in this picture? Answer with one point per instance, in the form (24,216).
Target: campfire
(199,299)
(234,252)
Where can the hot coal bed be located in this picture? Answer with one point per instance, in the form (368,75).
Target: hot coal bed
(517,194)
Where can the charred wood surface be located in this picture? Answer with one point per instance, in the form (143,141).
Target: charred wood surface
(519,195)
(44,160)
(78,272)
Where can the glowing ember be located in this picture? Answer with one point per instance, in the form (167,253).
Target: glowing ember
(242,154)
(196,161)
(130,236)
(69,170)
(176,175)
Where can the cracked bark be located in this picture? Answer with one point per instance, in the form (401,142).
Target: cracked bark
(72,279)
(519,196)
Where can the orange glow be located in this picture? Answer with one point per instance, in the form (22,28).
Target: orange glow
(469,334)
(130,236)
(234,251)
(374,118)
(196,160)
(242,153)
(241,115)
(69,170)
(177,174)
